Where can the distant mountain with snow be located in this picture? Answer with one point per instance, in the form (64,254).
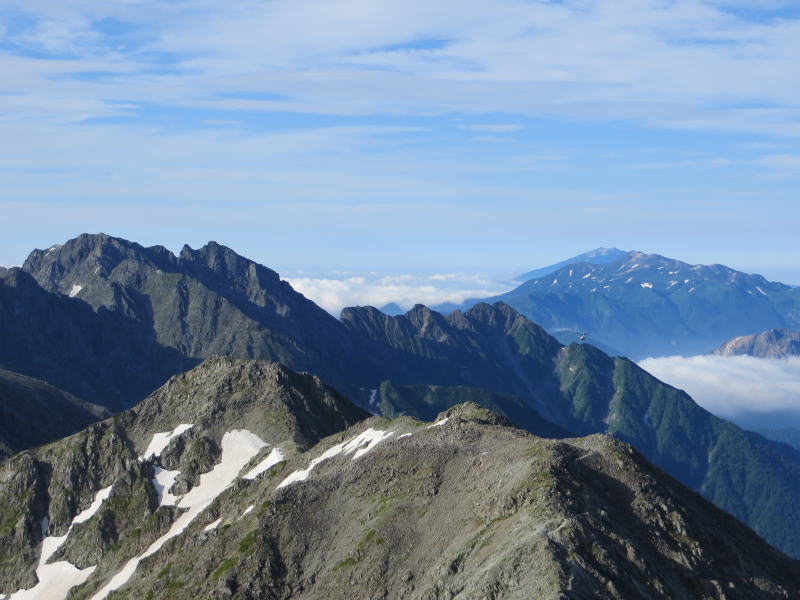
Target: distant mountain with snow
(775,343)
(598,256)
(649,305)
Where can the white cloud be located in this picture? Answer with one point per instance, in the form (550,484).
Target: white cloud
(734,387)
(333,294)
(689,64)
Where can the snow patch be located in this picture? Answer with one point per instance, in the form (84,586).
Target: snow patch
(439,423)
(160,441)
(238,448)
(587,275)
(57,579)
(163,482)
(405,435)
(629,279)
(55,582)
(646,285)
(213,526)
(75,290)
(270,461)
(247,511)
(360,445)
(760,290)
(87,514)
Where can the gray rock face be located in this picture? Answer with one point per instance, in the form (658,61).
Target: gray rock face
(466,507)
(201,303)
(100,356)
(775,343)
(56,482)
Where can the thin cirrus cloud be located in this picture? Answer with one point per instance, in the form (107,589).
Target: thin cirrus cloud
(359,103)
(741,388)
(622,59)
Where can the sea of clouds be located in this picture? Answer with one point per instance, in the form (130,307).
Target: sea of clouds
(334,293)
(753,392)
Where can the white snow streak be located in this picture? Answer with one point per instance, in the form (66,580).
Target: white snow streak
(273,459)
(760,290)
(160,441)
(247,511)
(439,423)
(238,448)
(405,435)
(162,482)
(646,285)
(213,526)
(75,290)
(57,579)
(361,444)
(87,514)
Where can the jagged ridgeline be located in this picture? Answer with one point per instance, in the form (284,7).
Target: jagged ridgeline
(126,317)
(242,479)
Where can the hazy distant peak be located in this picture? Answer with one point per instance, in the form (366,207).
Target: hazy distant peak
(774,343)
(597,256)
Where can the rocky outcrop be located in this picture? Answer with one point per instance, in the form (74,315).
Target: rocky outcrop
(280,489)
(775,343)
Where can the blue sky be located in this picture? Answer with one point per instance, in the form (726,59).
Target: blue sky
(474,140)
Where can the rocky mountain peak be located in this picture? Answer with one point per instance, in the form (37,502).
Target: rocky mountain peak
(773,343)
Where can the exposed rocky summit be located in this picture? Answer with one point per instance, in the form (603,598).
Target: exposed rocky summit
(241,479)
(775,343)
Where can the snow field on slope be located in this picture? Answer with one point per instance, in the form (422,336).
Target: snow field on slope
(160,441)
(360,445)
(58,578)
(238,448)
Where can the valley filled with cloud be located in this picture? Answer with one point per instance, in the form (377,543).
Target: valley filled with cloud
(753,392)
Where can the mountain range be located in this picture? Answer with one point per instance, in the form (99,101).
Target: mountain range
(127,317)
(641,305)
(775,343)
(243,479)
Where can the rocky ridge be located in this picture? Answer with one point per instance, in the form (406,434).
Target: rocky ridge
(279,488)
(775,343)
(212,300)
